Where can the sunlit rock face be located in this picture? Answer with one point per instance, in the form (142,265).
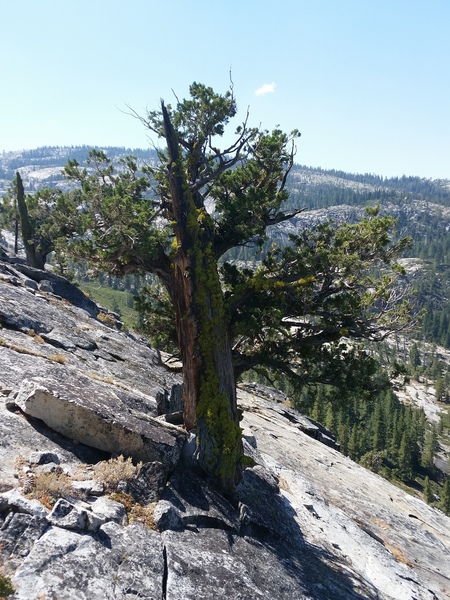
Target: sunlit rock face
(306,522)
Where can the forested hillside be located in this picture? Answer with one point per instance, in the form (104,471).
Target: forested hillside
(42,167)
(422,210)
(421,206)
(321,188)
(371,424)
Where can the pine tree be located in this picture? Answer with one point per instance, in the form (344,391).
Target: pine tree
(354,449)
(317,410)
(429,449)
(342,438)
(330,417)
(415,423)
(441,389)
(377,429)
(427,491)
(414,357)
(404,457)
(445,496)
(396,437)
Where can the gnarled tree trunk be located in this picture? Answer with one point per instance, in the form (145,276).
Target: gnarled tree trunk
(34,257)
(209,388)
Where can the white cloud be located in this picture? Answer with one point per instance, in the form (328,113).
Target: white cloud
(267,88)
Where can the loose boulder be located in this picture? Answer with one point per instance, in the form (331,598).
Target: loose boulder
(77,410)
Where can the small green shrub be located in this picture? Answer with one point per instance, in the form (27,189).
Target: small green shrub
(6,587)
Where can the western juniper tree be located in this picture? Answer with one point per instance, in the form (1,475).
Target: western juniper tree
(292,312)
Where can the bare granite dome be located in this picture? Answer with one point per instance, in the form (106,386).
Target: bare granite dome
(306,523)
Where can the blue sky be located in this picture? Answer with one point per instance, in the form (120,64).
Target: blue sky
(367,82)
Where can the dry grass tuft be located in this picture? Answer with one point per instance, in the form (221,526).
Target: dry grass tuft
(58,358)
(135,511)
(126,499)
(107,319)
(380,523)
(20,349)
(100,378)
(284,485)
(399,555)
(144,515)
(48,488)
(107,380)
(36,337)
(111,472)
(20,463)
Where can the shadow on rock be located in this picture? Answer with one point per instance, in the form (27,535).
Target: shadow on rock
(85,454)
(257,551)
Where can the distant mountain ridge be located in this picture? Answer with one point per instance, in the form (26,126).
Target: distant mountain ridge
(41,167)
(421,206)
